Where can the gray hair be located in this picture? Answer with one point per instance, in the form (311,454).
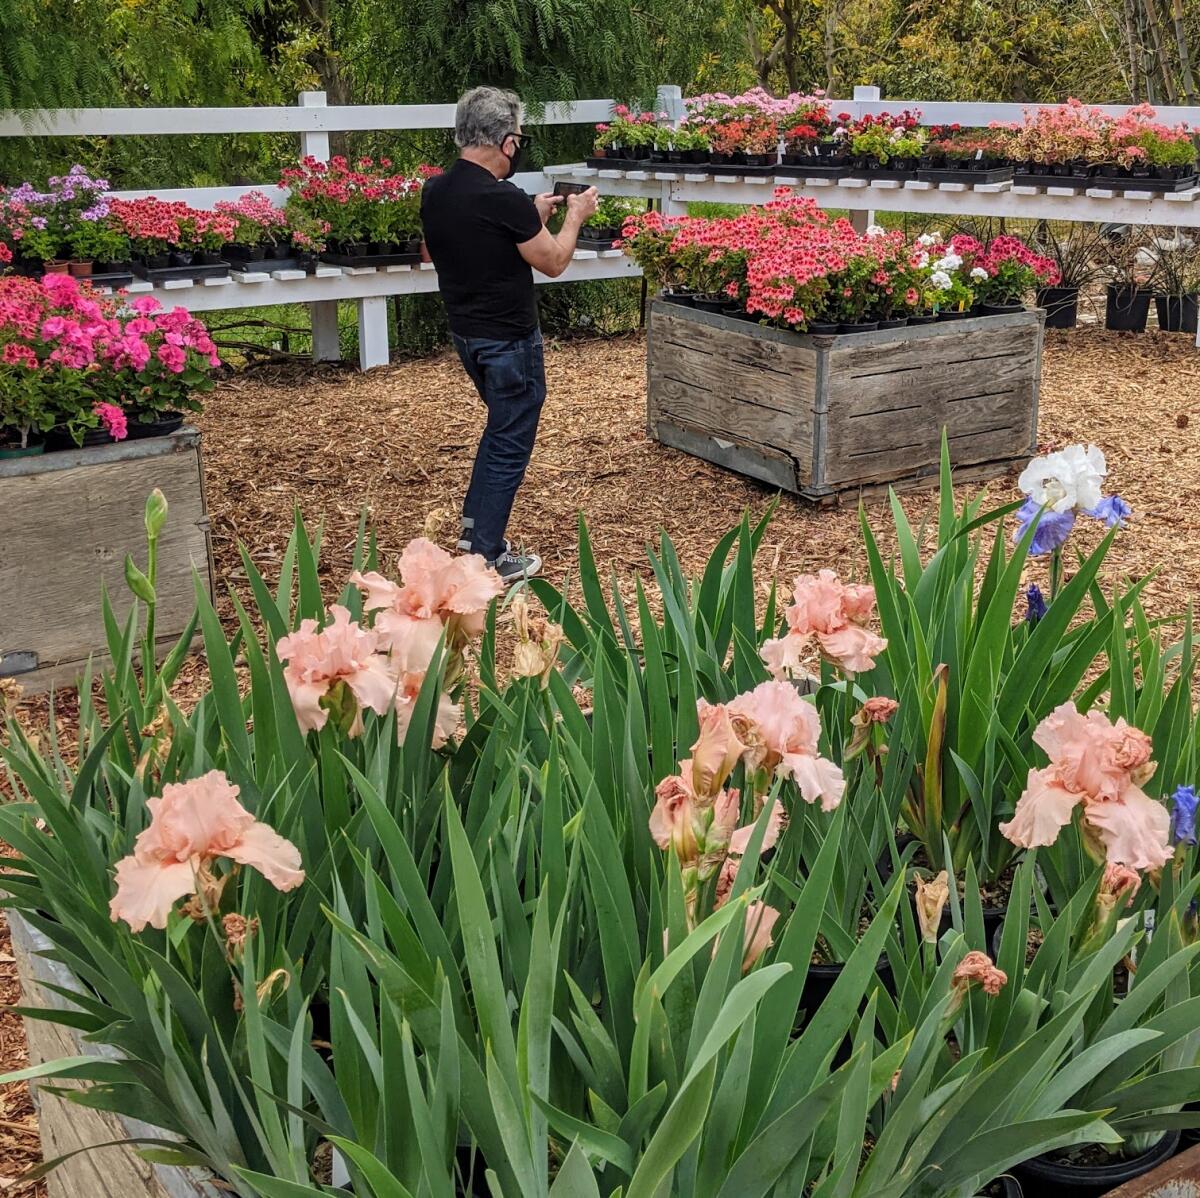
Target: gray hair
(485,115)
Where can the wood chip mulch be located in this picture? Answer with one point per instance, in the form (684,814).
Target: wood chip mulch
(400,440)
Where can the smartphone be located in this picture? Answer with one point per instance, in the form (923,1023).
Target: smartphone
(570,189)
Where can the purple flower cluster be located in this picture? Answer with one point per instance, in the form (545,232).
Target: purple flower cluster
(1053,528)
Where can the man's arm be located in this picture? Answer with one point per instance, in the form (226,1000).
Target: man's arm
(550,253)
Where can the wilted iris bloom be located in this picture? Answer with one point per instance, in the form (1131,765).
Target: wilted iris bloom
(1035,604)
(1113,510)
(1183,815)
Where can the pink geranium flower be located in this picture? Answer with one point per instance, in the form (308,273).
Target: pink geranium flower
(341,655)
(191,825)
(1098,766)
(113,419)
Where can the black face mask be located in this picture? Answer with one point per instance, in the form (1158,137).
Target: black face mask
(517,159)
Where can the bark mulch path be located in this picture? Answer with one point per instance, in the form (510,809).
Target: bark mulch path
(400,441)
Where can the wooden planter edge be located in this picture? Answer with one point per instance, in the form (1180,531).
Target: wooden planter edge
(125,1174)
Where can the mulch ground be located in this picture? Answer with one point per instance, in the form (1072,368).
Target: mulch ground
(400,441)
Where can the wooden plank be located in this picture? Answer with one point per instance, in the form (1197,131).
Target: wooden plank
(68,527)
(109,1172)
(889,402)
(759,462)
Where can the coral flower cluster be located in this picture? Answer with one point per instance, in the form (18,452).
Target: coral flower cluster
(343,669)
(1097,767)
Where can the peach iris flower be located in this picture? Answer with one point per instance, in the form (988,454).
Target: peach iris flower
(191,825)
(835,615)
(1097,765)
(435,589)
(979,967)
(341,652)
(788,730)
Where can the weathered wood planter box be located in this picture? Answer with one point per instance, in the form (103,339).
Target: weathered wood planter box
(67,520)
(113,1172)
(834,416)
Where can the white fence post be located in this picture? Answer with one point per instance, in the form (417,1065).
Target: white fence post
(864,219)
(313,144)
(326,345)
(669,100)
(373,332)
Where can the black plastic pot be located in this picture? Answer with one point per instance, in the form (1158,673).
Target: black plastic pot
(685,299)
(165,424)
(820,980)
(739,314)
(1000,309)
(822,327)
(1045,1176)
(768,159)
(14,449)
(922,318)
(58,439)
(1126,308)
(1062,306)
(719,159)
(897,322)
(1190,1135)
(279,250)
(156,261)
(951,315)
(181,257)
(859,326)
(1010,1187)
(693,157)
(208,258)
(1176,313)
(708,303)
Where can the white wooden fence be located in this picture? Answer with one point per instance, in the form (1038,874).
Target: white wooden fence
(312,120)
(673,186)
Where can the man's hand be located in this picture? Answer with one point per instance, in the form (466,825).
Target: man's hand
(546,203)
(583,204)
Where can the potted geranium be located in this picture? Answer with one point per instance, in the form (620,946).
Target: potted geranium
(257,224)
(1005,273)
(160,367)
(102,244)
(153,228)
(691,144)
(25,414)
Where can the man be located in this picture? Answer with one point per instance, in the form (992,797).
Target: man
(486,237)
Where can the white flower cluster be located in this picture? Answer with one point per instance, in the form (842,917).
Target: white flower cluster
(949,262)
(1067,480)
(876,231)
(929,239)
(941,280)
(978,274)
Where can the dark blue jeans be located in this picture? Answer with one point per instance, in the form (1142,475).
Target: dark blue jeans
(510,377)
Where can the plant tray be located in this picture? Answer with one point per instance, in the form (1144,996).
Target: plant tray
(813,171)
(1078,182)
(629,164)
(587,243)
(164,274)
(882,172)
(112,278)
(366,260)
(266,265)
(733,168)
(1127,184)
(999,174)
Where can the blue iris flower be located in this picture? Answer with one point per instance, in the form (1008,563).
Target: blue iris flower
(1035,604)
(1183,815)
(1113,510)
(1053,528)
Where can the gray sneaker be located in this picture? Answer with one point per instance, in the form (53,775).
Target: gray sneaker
(514,567)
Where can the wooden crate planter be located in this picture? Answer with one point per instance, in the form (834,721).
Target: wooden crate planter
(68,520)
(827,417)
(112,1172)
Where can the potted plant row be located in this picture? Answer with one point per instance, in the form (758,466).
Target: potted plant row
(789,265)
(1144,264)
(367,214)
(603,227)
(79,369)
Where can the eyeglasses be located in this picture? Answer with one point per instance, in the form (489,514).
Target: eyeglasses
(524,140)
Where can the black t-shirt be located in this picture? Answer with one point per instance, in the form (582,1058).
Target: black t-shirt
(473,223)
